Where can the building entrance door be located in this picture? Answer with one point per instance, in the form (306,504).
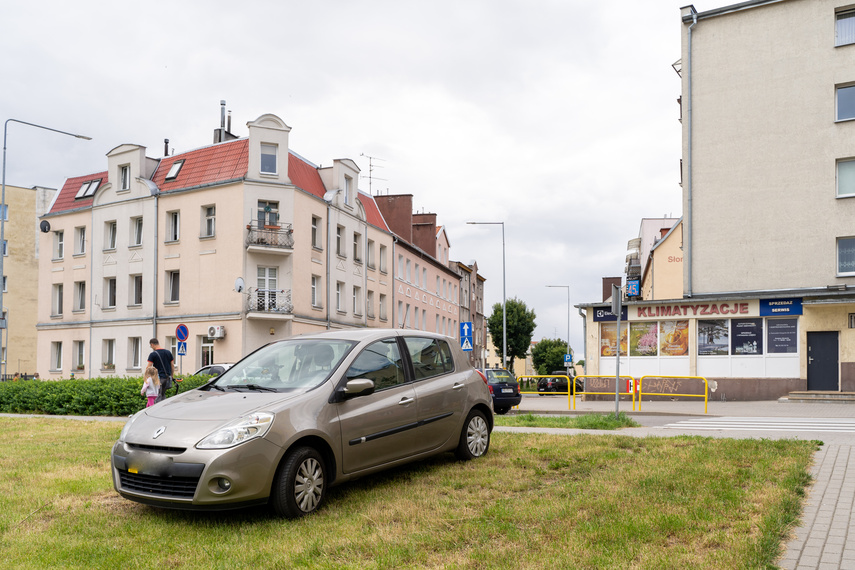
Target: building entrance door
(823,366)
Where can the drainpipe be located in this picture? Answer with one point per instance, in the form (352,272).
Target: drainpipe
(156,279)
(689,159)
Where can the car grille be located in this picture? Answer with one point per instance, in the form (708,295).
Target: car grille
(157,448)
(177,487)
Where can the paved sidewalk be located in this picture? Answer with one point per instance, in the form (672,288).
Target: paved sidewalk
(825,538)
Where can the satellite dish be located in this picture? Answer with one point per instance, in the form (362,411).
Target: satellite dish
(45,226)
(239,284)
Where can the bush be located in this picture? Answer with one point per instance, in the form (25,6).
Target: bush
(111,396)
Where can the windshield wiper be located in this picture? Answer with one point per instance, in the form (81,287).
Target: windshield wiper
(254,387)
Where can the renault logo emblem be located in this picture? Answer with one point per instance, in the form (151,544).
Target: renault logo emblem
(158,432)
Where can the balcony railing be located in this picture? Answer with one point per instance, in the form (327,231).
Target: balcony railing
(269,301)
(270,236)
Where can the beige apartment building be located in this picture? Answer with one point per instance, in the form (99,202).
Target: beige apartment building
(241,242)
(767,244)
(23,206)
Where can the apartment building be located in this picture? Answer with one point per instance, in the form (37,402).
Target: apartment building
(767,244)
(242,242)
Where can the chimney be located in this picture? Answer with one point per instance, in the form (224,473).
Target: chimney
(229,124)
(165,147)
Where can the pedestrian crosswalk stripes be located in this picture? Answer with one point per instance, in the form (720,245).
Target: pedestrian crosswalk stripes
(840,425)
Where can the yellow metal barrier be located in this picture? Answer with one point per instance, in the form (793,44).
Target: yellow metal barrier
(641,392)
(571,394)
(627,393)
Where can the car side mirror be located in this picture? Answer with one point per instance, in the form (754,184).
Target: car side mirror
(358,387)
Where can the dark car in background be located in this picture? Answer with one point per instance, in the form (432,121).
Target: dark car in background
(504,388)
(556,383)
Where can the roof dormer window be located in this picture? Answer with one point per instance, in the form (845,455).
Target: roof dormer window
(268,158)
(174,170)
(88,188)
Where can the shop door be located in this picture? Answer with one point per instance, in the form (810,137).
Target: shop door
(822,368)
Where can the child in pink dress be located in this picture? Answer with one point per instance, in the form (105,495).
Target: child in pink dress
(151,385)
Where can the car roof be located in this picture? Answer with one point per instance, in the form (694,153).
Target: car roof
(360,335)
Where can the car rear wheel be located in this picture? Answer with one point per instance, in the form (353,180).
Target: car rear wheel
(475,437)
(299,487)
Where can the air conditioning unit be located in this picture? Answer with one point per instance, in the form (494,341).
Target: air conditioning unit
(217,331)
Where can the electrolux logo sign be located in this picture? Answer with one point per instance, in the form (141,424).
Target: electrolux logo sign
(780,307)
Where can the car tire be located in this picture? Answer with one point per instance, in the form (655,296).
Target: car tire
(300,484)
(501,411)
(475,437)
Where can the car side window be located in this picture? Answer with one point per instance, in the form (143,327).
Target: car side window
(430,357)
(381,363)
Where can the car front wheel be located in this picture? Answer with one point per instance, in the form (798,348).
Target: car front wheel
(299,487)
(475,437)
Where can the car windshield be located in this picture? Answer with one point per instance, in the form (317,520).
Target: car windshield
(285,366)
(495,376)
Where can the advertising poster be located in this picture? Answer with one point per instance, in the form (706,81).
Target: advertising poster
(782,336)
(746,336)
(713,338)
(608,339)
(674,338)
(643,339)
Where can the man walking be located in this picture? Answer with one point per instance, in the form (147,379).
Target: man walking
(161,359)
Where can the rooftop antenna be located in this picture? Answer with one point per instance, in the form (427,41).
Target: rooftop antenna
(371,168)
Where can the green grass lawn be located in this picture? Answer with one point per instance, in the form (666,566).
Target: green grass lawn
(582,421)
(535,501)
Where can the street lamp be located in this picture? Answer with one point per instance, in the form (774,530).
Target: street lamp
(504,296)
(568,314)
(4,215)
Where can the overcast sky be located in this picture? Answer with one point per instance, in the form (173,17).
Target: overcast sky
(558,118)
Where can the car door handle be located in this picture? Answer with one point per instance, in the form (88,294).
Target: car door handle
(457,386)
(405,401)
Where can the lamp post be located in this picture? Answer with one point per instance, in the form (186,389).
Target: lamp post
(504,294)
(568,315)
(4,215)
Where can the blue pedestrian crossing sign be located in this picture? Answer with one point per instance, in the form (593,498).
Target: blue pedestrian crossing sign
(182,348)
(466,333)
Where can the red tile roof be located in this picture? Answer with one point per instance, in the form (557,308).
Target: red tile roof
(305,175)
(66,201)
(372,212)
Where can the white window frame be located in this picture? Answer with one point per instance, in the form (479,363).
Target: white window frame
(56,355)
(845,34)
(174,170)
(316,233)
(79,296)
(136,287)
(137,226)
(125,177)
(173,226)
(79,240)
(79,352)
(381,309)
(110,293)
(316,291)
(847,173)
(339,296)
(110,230)
(357,247)
(339,241)
(850,92)
(58,244)
(56,300)
(173,287)
(108,353)
(369,304)
(268,213)
(372,261)
(850,269)
(357,300)
(209,220)
(135,353)
(383,268)
(266,151)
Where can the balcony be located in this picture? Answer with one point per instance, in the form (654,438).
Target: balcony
(270,239)
(265,303)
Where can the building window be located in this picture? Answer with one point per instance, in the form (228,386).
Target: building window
(316,291)
(136,289)
(408,276)
(846,103)
(339,296)
(136,231)
(173,283)
(316,232)
(4,284)
(357,247)
(369,304)
(844,31)
(4,212)
(348,188)
(268,213)
(339,241)
(383,259)
(173,226)
(56,300)
(88,188)
(207,351)
(209,221)
(125,177)
(56,356)
(79,296)
(174,170)
(80,240)
(79,348)
(5,248)
(372,262)
(845,178)
(268,158)
(135,352)
(357,300)
(846,256)
(110,293)
(110,236)
(381,309)
(58,244)
(109,353)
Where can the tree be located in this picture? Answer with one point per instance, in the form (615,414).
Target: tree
(548,355)
(520,329)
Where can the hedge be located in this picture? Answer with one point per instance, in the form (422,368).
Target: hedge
(110,396)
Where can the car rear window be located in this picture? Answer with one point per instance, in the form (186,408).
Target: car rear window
(500,376)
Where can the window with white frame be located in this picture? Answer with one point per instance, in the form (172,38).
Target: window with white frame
(173,286)
(108,349)
(56,300)
(844,29)
(339,241)
(268,158)
(174,170)
(110,293)
(125,177)
(316,291)
(846,256)
(357,300)
(268,213)
(79,348)
(135,352)
(79,296)
(339,296)
(58,244)
(372,262)
(136,231)
(173,226)
(369,304)
(56,355)
(383,259)
(136,287)
(209,221)
(207,351)
(348,188)
(80,240)
(846,103)
(416,276)
(316,232)
(846,177)
(409,274)
(357,247)
(110,235)
(381,309)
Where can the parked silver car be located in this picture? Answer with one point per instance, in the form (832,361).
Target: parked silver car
(300,415)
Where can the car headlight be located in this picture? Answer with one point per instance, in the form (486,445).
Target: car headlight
(128,426)
(238,431)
